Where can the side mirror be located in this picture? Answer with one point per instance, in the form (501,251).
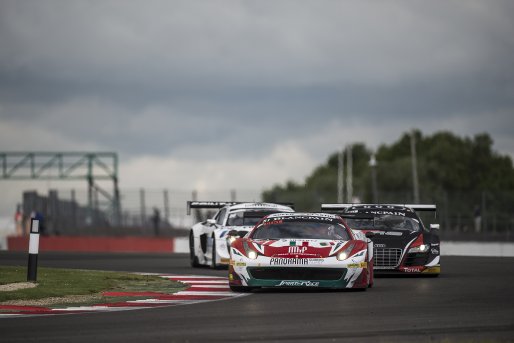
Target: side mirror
(370,234)
(434,226)
(211,221)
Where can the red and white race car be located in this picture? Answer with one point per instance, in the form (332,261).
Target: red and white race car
(301,250)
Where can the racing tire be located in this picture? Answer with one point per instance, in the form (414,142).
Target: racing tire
(241,289)
(193,259)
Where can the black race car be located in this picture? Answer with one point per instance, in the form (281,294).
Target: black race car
(401,241)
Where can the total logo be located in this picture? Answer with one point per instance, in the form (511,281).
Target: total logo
(412,269)
(296,250)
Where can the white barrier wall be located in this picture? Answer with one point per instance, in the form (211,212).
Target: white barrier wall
(477,249)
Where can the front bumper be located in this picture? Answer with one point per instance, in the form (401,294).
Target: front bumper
(393,261)
(318,273)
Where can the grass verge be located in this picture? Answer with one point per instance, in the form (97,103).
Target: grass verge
(57,287)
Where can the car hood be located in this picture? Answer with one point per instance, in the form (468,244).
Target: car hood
(392,238)
(297,248)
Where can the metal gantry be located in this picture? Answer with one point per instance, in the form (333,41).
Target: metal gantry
(89,166)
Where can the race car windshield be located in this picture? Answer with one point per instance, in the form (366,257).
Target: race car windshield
(385,223)
(248,218)
(301,230)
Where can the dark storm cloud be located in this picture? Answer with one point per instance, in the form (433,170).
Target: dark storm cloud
(166,77)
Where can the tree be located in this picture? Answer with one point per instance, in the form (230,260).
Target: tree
(454,172)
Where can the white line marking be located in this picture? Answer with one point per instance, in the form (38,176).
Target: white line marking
(224,282)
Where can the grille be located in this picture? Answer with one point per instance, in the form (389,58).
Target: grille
(386,257)
(296,273)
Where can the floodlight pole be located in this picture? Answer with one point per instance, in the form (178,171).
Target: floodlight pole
(340,176)
(415,181)
(374,188)
(349,174)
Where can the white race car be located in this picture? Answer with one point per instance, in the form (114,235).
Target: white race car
(209,240)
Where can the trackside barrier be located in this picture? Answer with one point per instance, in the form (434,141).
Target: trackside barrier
(96,244)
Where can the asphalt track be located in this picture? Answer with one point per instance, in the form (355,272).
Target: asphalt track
(472,301)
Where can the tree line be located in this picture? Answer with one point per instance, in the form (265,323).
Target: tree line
(460,174)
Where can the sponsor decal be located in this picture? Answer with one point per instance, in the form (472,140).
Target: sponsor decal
(357,265)
(434,270)
(304,255)
(266,223)
(387,233)
(283,261)
(411,269)
(230,276)
(318,216)
(296,250)
(224,260)
(389,213)
(298,283)
(434,251)
(374,211)
(316,261)
(240,264)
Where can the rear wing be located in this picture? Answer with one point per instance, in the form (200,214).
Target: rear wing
(415,207)
(220,204)
(208,204)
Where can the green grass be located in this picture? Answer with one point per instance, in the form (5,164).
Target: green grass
(54,282)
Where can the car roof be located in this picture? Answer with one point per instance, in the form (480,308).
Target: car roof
(259,206)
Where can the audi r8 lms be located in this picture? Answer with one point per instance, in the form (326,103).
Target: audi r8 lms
(402,243)
(301,250)
(208,240)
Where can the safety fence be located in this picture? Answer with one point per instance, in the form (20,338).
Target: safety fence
(141,211)
(163,211)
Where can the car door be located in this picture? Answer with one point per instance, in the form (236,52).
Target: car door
(219,220)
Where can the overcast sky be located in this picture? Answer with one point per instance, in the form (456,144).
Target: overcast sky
(246,94)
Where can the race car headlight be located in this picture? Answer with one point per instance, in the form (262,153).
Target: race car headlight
(420,248)
(344,254)
(252,254)
(249,252)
